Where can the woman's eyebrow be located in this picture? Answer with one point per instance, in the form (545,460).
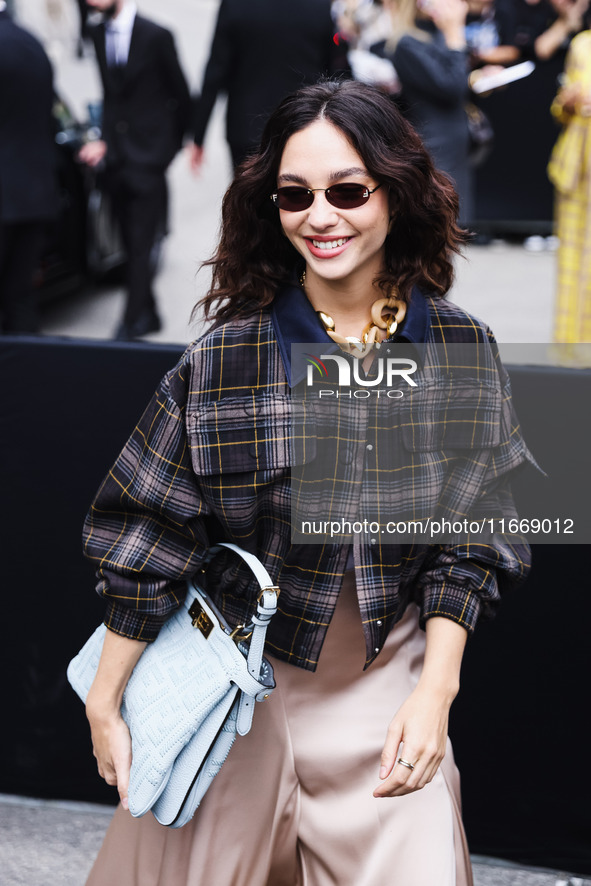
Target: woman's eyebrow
(333,176)
(343,173)
(291,177)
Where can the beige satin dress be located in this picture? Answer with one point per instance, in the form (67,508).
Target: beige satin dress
(293,804)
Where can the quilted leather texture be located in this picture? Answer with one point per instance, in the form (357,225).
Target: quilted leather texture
(180,705)
(177,804)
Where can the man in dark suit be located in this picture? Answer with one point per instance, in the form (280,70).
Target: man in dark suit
(261,51)
(145,113)
(28,192)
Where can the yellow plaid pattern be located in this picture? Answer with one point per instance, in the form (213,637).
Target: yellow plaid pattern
(211,459)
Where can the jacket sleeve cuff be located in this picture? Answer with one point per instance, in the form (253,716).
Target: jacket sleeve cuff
(134,625)
(453,602)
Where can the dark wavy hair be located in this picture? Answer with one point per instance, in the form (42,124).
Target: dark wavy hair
(254,257)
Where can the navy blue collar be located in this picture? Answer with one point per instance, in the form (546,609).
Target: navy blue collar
(295,322)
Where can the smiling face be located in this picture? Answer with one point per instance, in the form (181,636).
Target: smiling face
(340,246)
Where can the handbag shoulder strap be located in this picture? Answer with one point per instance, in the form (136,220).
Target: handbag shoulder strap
(266,609)
(254,564)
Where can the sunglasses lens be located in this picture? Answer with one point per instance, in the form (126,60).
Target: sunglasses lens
(294,199)
(347,196)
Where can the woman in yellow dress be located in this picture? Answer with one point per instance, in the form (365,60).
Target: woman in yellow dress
(570,172)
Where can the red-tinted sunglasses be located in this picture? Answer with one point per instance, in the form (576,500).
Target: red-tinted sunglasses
(347,195)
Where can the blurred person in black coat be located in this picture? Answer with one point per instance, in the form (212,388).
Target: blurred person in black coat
(261,51)
(28,191)
(428,49)
(146,109)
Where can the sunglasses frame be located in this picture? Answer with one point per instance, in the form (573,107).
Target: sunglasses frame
(311,192)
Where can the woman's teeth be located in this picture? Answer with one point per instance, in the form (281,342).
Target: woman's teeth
(330,244)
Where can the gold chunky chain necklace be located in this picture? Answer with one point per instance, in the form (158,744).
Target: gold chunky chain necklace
(381,324)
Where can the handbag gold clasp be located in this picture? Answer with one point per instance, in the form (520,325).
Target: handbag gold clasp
(237,637)
(200,619)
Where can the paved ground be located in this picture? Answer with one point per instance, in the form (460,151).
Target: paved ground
(54,844)
(44,843)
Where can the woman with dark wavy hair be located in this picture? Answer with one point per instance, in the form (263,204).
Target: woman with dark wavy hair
(339,232)
(254,257)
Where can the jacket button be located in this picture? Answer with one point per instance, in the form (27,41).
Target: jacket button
(121,126)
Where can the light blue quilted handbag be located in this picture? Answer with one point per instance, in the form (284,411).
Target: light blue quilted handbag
(189,694)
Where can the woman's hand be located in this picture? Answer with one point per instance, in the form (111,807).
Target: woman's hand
(418,732)
(571,97)
(573,13)
(447,12)
(111,744)
(421,727)
(93,153)
(449,16)
(480,73)
(111,740)
(196,155)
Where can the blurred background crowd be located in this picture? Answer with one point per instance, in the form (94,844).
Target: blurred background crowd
(500,91)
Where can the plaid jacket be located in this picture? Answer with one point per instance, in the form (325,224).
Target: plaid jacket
(211,460)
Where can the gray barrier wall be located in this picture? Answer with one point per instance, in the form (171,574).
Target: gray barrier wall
(519,725)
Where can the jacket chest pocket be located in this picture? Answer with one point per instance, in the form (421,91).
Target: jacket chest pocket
(265,432)
(452,414)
